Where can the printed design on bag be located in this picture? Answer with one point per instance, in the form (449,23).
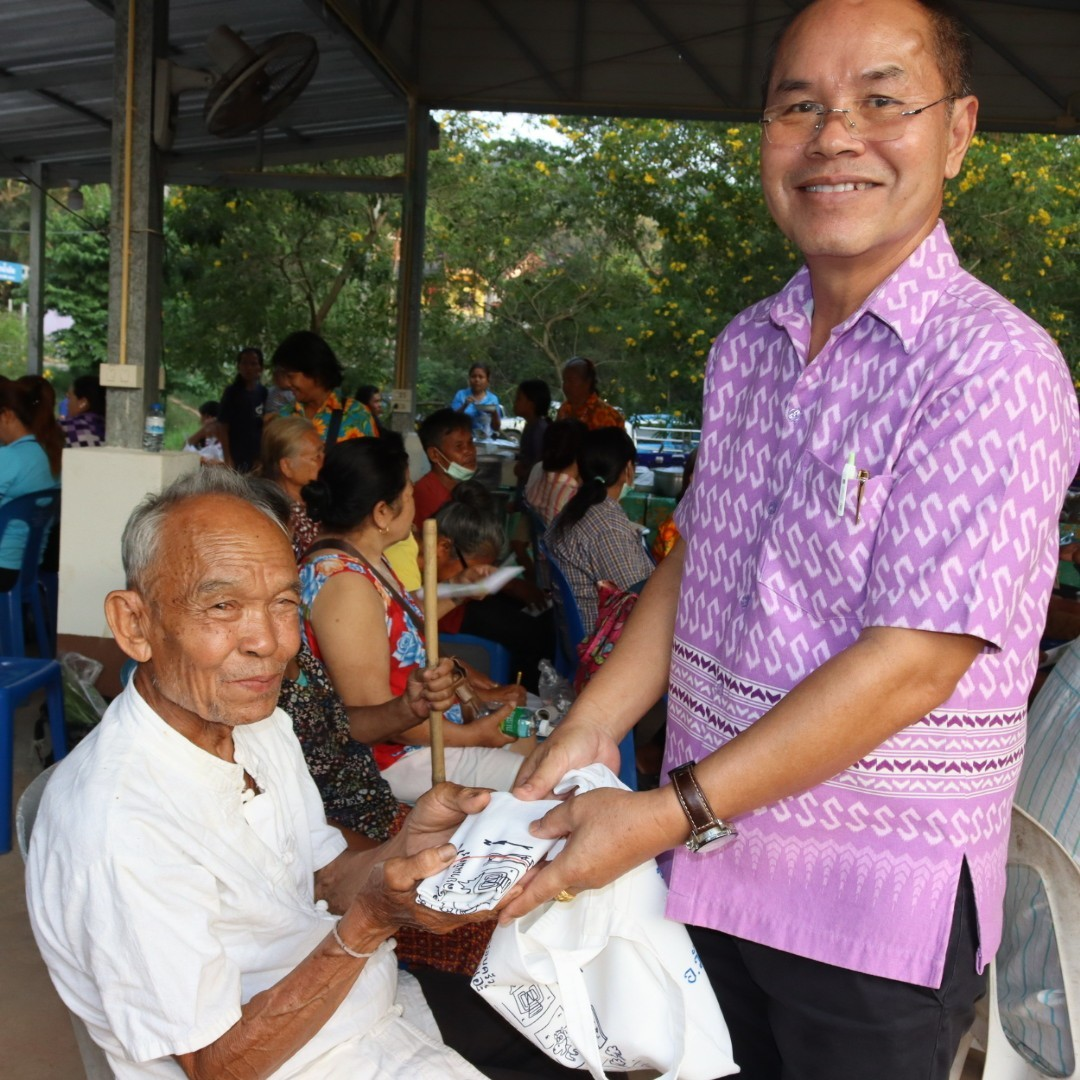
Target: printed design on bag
(695,971)
(476,881)
(613,1056)
(531,1001)
(562,1047)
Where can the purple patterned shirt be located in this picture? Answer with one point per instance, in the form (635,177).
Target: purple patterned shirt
(962,412)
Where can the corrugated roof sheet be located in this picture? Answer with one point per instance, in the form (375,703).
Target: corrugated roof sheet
(675,58)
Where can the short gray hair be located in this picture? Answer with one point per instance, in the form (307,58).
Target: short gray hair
(143,531)
(470,520)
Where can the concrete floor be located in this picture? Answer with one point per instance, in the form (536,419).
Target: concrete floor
(36,1040)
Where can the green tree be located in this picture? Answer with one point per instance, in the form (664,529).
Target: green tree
(249,267)
(77,278)
(1014,215)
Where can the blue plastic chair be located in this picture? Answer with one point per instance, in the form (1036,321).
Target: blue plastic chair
(37,511)
(569,626)
(498,656)
(19,678)
(569,630)
(537,528)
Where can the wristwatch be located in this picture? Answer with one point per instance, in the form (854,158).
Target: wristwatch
(707,831)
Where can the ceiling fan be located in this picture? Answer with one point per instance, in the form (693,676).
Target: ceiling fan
(246,87)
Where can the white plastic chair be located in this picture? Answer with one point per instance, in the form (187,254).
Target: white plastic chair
(1031,845)
(95,1064)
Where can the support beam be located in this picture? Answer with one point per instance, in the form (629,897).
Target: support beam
(35,326)
(290,181)
(137,192)
(513,34)
(411,267)
(49,77)
(684,52)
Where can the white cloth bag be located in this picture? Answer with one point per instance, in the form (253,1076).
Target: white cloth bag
(607,981)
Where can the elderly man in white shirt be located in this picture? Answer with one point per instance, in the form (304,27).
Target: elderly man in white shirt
(192,904)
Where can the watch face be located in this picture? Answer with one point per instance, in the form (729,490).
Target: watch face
(712,838)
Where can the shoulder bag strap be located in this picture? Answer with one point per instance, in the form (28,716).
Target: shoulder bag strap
(334,427)
(344,545)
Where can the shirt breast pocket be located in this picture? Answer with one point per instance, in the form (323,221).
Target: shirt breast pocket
(815,558)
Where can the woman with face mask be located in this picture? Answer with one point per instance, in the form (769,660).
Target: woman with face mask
(593,540)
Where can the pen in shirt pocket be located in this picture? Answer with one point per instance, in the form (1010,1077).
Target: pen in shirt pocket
(849,473)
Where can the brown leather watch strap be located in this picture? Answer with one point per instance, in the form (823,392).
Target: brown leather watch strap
(692,799)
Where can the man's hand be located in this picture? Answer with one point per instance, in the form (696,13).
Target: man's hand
(575,743)
(610,832)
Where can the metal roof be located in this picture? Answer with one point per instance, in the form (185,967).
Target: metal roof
(674,58)
(56,90)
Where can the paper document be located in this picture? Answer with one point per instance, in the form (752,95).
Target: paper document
(484,587)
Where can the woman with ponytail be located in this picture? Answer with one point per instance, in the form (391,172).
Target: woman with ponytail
(593,540)
(31,443)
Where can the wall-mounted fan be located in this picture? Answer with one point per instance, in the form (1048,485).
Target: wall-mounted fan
(247,87)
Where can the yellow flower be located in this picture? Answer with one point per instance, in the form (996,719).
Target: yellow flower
(673,374)
(649,178)
(541,167)
(231,205)
(1006,158)
(630,342)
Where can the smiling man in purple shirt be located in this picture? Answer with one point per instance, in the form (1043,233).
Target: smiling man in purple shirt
(869,544)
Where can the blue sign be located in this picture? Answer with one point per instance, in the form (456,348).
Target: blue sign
(15,272)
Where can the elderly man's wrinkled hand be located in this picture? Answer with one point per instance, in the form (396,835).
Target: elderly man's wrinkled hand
(420,850)
(388,898)
(436,817)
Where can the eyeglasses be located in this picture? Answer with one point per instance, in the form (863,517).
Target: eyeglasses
(460,557)
(874,119)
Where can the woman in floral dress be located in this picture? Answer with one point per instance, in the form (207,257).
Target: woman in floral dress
(369,632)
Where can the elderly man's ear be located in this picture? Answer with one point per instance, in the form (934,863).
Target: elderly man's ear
(129,620)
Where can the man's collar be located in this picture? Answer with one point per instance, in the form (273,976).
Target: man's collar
(902,301)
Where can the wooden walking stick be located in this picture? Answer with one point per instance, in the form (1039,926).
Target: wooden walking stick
(431,623)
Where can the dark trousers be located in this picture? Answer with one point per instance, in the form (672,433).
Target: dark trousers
(796,1019)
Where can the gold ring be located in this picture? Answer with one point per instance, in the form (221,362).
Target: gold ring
(565,896)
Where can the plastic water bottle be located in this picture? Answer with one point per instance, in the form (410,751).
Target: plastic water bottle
(154,431)
(549,681)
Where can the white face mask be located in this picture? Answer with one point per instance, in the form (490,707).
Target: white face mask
(454,470)
(626,489)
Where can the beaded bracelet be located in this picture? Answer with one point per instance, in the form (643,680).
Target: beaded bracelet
(345,948)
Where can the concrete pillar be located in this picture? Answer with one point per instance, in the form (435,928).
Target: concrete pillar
(35,323)
(135,286)
(411,269)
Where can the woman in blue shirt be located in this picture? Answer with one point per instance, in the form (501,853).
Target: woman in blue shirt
(478,403)
(28,461)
